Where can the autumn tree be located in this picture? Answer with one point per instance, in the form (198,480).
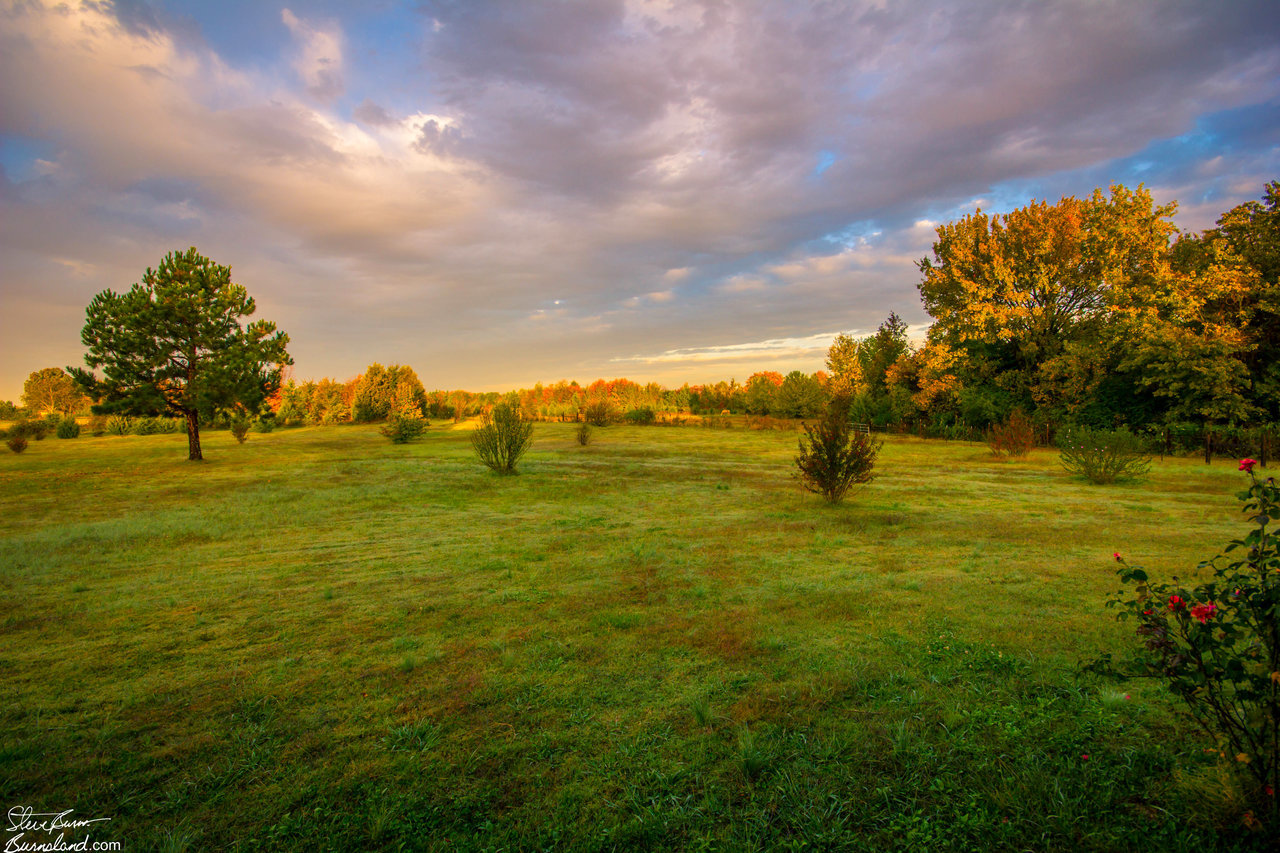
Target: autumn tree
(174,345)
(1027,290)
(845,367)
(761,390)
(1246,245)
(52,390)
(381,391)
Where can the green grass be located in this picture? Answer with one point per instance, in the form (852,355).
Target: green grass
(320,640)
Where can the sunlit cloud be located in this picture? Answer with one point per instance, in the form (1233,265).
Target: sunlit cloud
(780,347)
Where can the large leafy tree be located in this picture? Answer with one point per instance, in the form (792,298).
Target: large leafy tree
(1244,252)
(52,390)
(174,345)
(1028,295)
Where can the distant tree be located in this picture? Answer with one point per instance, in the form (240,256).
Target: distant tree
(8,411)
(799,396)
(374,391)
(880,351)
(845,364)
(379,391)
(174,345)
(52,390)
(762,389)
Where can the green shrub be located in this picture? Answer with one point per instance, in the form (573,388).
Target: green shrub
(599,413)
(265,424)
(68,428)
(642,416)
(1217,646)
(36,429)
(1103,456)
(403,428)
(1014,438)
(240,429)
(834,457)
(584,434)
(98,425)
(17,441)
(503,437)
(119,425)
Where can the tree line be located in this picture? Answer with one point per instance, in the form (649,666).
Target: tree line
(1093,312)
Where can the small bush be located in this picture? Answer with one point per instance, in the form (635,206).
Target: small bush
(642,416)
(584,434)
(503,437)
(834,457)
(36,429)
(1014,438)
(1103,456)
(17,442)
(599,413)
(265,424)
(98,425)
(240,429)
(119,425)
(68,428)
(402,428)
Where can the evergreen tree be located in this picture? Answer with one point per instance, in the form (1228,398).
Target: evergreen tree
(173,345)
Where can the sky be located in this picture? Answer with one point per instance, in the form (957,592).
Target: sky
(502,193)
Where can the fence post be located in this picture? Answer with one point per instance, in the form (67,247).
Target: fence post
(1208,446)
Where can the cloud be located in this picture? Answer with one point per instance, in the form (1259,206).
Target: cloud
(675,173)
(319,57)
(810,345)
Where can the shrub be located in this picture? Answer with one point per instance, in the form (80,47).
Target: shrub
(834,457)
(119,425)
(240,428)
(17,441)
(98,425)
(584,434)
(403,428)
(599,413)
(503,437)
(1103,456)
(1217,645)
(36,429)
(1014,438)
(68,428)
(265,424)
(642,416)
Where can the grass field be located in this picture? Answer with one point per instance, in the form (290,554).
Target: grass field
(320,640)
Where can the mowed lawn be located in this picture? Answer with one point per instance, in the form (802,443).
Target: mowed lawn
(320,640)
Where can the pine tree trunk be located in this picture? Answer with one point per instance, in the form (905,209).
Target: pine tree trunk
(193,437)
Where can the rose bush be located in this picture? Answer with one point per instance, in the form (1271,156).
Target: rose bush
(1217,644)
